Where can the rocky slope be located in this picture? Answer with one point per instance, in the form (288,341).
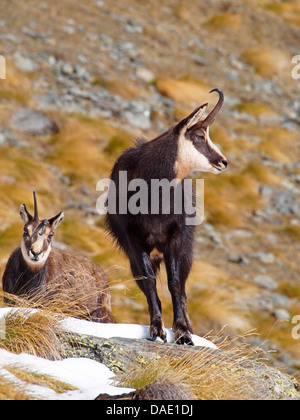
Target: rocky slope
(244,378)
(85,79)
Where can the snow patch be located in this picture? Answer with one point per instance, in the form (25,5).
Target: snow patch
(123,330)
(90,377)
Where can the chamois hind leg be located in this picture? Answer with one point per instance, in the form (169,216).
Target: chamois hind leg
(145,274)
(178,266)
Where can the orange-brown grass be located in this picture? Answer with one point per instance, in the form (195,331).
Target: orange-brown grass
(82,237)
(32,333)
(77,148)
(22,166)
(268,61)
(255,109)
(211,302)
(289,10)
(279,144)
(11,391)
(117,87)
(183,91)
(117,144)
(293,232)
(16,86)
(224,21)
(33,325)
(35,378)
(222,194)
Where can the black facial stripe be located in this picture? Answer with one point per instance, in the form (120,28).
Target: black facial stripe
(204,148)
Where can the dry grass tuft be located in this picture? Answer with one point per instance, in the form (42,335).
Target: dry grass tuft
(279,144)
(267,61)
(35,378)
(33,325)
(207,374)
(16,87)
(224,21)
(12,391)
(255,109)
(78,148)
(288,10)
(183,91)
(32,332)
(117,87)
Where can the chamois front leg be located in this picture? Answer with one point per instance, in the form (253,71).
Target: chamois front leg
(178,266)
(144,273)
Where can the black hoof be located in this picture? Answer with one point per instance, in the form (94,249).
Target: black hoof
(184,339)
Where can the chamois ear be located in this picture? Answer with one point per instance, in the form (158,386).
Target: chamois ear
(56,220)
(25,215)
(193,118)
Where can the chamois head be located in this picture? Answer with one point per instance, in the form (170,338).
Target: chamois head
(196,151)
(36,242)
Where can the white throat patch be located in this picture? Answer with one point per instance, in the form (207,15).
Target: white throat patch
(189,159)
(31,263)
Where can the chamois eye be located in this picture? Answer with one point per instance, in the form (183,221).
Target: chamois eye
(201,137)
(26,233)
(51,234)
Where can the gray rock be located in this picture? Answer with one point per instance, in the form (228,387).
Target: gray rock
(279,300)
(133,26)
(32,122)
(118,354)
(264,257)
(85,190)
(145,74)
(266,191)
(282,314)
(198,59)
(238,259)
(25,63)
(35,35)
(138,114)
(67,69)
(10,37)
(8,139)
(267,257)
(265,282)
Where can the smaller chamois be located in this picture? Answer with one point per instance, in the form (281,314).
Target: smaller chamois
(148,237)
(37,270)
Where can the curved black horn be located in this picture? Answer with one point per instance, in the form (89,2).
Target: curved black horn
(212,116)
(36,213)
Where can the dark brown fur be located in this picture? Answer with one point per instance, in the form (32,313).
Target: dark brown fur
(39,272)
(156,391)
(82,282)
(171,156)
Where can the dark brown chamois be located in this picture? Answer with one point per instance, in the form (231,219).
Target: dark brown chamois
(35,270)
(148,237)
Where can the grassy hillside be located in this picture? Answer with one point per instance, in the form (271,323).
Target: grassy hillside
(104,73)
